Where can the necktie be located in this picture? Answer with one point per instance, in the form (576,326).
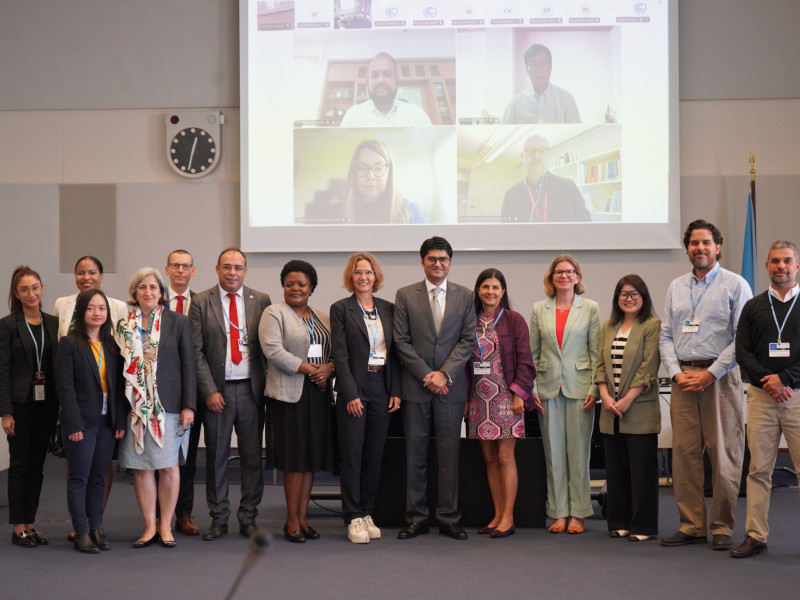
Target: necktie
(233,313)
(179,304)
(436,307)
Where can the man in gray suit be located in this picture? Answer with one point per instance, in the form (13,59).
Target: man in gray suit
(434,327)
(231,371)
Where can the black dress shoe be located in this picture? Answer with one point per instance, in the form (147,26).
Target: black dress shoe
(247,529)
(452,530)
(23,539)
(168,543)
(721,541)
(749,547)
(99,540)
(412,530)
(145,543)
(83,543)
(38,537)
(311,533)
(295,536)
(215,531)
(682,539)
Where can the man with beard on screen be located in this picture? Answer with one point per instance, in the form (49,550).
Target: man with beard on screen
(383,109)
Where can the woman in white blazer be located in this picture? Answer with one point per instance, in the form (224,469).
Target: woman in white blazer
(564,332)
(296,341)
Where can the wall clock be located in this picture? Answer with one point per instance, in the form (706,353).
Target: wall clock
(194,146)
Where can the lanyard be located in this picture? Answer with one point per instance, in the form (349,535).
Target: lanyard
(775,318)
(40,353)
(705,289)
(311,329)
(373,334)
(477,339)
(534,207)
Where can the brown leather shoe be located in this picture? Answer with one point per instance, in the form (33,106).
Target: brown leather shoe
(749,547)
(186,526)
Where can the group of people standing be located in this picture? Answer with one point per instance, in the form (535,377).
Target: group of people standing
(144,373)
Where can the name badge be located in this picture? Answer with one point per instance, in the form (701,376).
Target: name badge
(481,368)
(38,391)
(376,359)
(691,326)
(241,343)
(315,351)
(779,350)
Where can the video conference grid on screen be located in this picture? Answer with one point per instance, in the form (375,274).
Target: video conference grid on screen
(515,118)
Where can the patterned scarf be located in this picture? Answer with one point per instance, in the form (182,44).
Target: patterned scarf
(139,349)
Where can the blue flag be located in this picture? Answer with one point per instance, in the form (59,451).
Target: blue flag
(749,253)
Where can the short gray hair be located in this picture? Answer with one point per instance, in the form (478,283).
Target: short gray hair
(783,244)
(137,279)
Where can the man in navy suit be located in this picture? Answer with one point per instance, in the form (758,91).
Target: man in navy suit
(180,270)
(231,375)
(434,327)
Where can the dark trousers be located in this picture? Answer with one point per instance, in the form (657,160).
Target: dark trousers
(632,476)
(34,424)
(186,491)
(245,413)
(361,441)
(446,417)
(88,462)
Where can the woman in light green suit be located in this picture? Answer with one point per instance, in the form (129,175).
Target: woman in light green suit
(626,377)
(564,333)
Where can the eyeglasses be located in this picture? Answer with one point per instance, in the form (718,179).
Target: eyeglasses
(179,266)
(538,65)
(567,272)
(237,268)
(363,273)
(531,152)
(184,431)
(378,170)
(631,295)
(432,260)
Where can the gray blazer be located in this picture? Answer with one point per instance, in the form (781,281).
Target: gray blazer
(285,343)
(569,368)
(210,339)
(422,351)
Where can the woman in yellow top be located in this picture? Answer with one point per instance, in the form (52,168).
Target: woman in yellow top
(93,410)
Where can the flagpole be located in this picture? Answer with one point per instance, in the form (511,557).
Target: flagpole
(753,185)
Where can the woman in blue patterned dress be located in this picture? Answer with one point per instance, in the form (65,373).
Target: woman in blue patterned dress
(502,375)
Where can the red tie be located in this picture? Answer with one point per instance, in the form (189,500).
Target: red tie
(236,352)
(179,305)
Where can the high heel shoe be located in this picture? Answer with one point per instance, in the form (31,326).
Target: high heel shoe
(83,543)
(145,543)
(296,536)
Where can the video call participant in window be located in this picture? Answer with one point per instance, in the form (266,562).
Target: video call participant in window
(372,193)
(543,102)
(541,196)
(383,109)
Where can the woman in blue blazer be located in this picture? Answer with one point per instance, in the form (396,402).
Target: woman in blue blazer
(368,388)
(93,412)
(564,333)
(28,404)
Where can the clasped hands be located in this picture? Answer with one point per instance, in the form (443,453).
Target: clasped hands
(773,385)
(437,382)
(694,381)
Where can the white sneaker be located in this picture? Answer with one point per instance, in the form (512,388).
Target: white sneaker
(372,529)
(357,532)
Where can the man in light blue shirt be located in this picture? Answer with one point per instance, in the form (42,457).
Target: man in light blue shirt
(707,404)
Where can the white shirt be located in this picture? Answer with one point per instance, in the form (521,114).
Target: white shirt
(789,295)
(242,370)
(402,114)
(173,300)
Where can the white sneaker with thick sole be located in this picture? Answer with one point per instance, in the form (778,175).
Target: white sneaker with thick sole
(357,532)
(372,529)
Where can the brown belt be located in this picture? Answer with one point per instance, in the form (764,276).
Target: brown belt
(375,368)
(699,364)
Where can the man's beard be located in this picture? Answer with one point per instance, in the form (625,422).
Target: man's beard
(383,101)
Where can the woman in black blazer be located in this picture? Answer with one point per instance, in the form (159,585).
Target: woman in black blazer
(93,412)
(368,388)
(160,387)
(28,404)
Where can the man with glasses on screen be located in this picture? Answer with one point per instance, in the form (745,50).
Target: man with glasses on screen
(701,313)
(383,109)
(543,102)
(434,330)
(541,196)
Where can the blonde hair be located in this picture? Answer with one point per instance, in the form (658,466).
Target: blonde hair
(396,205)
(550,288)
(351,266)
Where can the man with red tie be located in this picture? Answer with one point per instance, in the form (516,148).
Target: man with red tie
(231,373)
(180,270)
